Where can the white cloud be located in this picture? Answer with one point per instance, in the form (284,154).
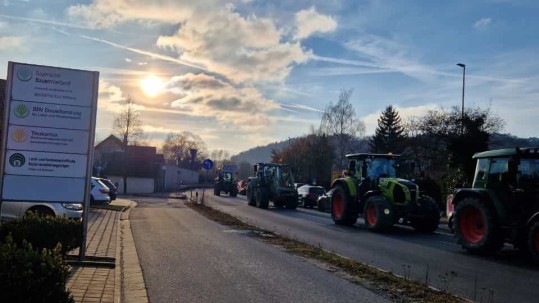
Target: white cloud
(127,60)
(11,42)
(205,96)
(482,23)
(310,21)
(213,35)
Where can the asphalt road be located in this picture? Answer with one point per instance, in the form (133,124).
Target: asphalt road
(187,258)
(504,277)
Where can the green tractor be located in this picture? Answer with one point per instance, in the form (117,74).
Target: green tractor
(225,182)
(371,187)
(272,182)
(503,203)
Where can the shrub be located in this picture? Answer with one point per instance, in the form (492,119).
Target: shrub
(29,275)
(44,232)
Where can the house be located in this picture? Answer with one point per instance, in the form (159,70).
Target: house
(142,165)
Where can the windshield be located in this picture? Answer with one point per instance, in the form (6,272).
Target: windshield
(381,167)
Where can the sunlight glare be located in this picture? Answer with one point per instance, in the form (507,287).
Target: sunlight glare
(151,85)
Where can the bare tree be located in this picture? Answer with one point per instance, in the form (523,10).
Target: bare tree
(340,122)
(177,145)
(128,126)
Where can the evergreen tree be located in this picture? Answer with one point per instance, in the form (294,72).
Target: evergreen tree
(388,136)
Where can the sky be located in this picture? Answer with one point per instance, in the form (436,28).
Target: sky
(245,73)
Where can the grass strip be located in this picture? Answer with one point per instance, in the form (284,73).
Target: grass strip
(395,288)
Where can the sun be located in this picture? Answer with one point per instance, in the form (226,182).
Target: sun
(151,85)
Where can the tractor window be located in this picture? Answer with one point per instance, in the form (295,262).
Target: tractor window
(381,167)
(529,171)
(481,170)
(498,167)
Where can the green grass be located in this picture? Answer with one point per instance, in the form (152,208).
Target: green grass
(387,284)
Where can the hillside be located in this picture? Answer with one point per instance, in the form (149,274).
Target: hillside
(259,153)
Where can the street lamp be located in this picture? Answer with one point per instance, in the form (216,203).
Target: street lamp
(463,85)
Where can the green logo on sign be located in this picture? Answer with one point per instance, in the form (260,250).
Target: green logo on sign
(17,160)
(21,111)
(24,74)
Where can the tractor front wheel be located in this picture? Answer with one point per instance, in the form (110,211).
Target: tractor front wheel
(342,210)
(533,242)
(250,195)
(262,199)
(475,227)
(428,217)
(291,203)
(378,214)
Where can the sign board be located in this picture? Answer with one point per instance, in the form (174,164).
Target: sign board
(230,168)
(207,164)
(48,133)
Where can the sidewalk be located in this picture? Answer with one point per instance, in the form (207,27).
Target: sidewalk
(111,260)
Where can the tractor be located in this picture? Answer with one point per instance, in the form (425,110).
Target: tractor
(226,182)
(272,182)
(502,206)
(371,187)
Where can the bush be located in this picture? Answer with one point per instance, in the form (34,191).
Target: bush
(28,275)
(44,232)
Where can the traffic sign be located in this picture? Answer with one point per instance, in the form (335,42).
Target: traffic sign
(207,164)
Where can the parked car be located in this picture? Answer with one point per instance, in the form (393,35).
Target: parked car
(99,193)
(324,201)
(308,195)
(242,187)
(16,210)
(113,191)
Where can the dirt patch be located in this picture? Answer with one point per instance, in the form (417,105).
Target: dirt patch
(387,284)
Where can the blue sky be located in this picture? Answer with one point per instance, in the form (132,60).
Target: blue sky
(242,73)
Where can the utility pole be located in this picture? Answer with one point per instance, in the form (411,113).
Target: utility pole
(462,107)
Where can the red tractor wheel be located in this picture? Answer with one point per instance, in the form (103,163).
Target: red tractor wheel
(370,214)
(378,213)
(533,242)
(343,211)
(475,226)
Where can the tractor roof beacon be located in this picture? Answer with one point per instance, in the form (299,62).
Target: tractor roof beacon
(372,187)
(272,182)
(503,203)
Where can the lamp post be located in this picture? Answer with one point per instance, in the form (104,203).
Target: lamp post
(463,85)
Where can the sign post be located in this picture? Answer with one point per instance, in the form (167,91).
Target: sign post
(48,135)
(207,165)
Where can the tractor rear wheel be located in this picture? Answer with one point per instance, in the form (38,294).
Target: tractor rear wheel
(427,217)
(475,227)
(262,199)
(291,203)
(378,213)
(278,203)
(342,210)
(250,195)
(533,242)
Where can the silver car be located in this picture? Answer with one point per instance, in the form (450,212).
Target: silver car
(16,210)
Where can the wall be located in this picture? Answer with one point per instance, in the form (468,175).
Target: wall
(174,176)
(134,185)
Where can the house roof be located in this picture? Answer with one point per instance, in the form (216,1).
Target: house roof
(112,139)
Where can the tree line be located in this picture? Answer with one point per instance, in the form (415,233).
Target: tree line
(440,143)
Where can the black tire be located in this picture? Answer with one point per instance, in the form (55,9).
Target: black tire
(41,211)
(216,190)
(475,227)
(262,198)
(343,212)
(533,242)
(427,216)
(250,195)
(378,214)
(278,204)
(291,203)
(321,207)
